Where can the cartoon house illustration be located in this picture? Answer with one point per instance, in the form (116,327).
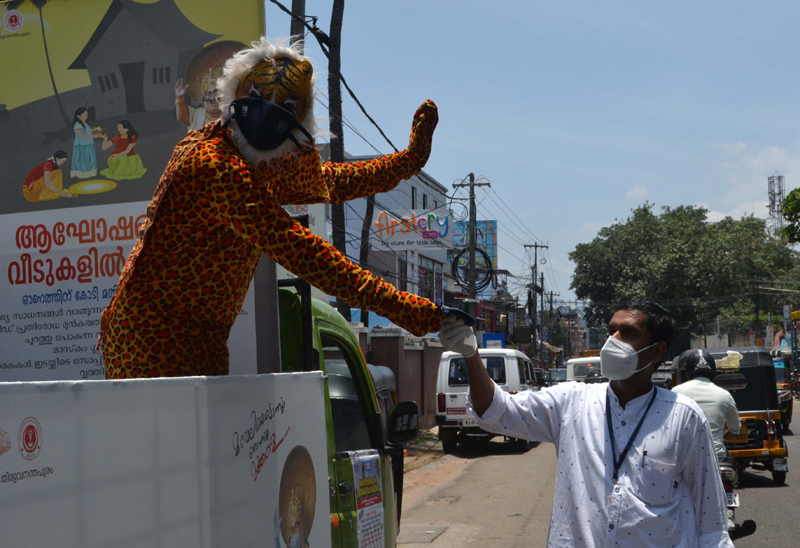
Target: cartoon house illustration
(135,56)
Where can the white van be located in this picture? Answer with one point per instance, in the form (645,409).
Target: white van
(578,368)
(512,370)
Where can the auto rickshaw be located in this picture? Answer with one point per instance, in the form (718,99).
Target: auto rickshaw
(783,379)
(748,373)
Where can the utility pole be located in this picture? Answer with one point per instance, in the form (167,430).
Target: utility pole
(536,288)
(473,214)
(337,132)
(297,30)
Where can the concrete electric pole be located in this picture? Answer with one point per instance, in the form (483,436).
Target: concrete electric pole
(536,289)
(472,291)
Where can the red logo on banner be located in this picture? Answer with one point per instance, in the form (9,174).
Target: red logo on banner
(13,20)
(30,438)
(5,442)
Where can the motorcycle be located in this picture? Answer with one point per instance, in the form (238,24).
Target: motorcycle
(730,479)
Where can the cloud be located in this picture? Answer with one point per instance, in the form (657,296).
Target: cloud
(636,194)
(744,169)
(757,208)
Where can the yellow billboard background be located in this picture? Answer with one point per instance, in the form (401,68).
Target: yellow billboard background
(23,64)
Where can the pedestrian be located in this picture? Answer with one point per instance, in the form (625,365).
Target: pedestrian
(654,481)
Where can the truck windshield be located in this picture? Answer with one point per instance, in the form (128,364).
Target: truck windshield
(458,371)
(558,374)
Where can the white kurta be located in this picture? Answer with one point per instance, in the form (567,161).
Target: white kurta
(669,492)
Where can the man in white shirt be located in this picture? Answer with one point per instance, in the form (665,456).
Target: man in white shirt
(717,403)
(654,482)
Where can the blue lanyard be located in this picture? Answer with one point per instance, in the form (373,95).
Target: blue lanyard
(618,463)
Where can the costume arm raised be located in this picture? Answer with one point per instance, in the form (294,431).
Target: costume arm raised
(358,179)
(249,209)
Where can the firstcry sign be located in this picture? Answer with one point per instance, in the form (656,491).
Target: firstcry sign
(417,230)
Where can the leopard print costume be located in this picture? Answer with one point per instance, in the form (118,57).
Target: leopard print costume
(210,219)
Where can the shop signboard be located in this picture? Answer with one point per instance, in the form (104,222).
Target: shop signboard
(417,229)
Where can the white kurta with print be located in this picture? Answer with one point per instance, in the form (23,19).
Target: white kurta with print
(668,493)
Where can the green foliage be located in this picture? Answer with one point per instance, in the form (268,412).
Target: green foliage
(679,259)
(791,213)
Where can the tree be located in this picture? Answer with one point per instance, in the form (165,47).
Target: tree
(694,267)
(39,4)
(791,213)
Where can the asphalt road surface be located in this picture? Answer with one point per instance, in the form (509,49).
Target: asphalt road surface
(776,510)
(492,494)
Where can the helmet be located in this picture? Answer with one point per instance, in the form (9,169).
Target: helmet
(594,376)
(699,363)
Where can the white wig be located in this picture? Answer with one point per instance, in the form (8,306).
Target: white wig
(236,68)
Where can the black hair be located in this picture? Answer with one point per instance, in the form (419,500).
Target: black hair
(131,132)
(659,321)
(78,112)
(59,154)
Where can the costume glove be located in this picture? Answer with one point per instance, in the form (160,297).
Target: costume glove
(425,120)
(458,337)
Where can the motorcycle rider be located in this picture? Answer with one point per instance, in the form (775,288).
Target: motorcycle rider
(717,403)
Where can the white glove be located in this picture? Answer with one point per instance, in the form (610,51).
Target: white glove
(457,337)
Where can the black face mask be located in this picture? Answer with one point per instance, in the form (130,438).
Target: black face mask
(265,125)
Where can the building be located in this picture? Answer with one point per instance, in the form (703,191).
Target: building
(411,262)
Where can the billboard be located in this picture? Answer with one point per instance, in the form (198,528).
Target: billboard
(412,229)
(485,237)
(102,91)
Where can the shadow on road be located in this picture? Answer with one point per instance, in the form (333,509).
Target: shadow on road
(755,480)
(476,448)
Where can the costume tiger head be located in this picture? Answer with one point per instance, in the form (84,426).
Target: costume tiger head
(273,72)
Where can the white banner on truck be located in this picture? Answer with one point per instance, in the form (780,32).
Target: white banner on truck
(195,461)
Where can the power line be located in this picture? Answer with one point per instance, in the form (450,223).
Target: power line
(323,41)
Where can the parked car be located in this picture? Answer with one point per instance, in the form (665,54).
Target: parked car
(558,375)
(513,372)
(578,368)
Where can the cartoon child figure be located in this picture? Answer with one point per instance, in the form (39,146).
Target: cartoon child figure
(123,163)
(44,182)
(84,159)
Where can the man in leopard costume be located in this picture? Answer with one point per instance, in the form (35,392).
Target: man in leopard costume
(218,207)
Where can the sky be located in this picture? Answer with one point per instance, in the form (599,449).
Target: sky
(577,111)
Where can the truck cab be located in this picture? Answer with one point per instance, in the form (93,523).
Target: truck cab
(354,417)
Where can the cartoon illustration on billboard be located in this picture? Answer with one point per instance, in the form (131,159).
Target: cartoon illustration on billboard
(112,63)
(84,159)
(123,163)
(45,181)
(201,84)
(297,500)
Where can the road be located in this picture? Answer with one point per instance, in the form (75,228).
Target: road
(492,494)
(774,509)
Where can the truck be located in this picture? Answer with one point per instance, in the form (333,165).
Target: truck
(311,456)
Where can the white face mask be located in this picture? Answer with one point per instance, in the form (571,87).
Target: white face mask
(619,360)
